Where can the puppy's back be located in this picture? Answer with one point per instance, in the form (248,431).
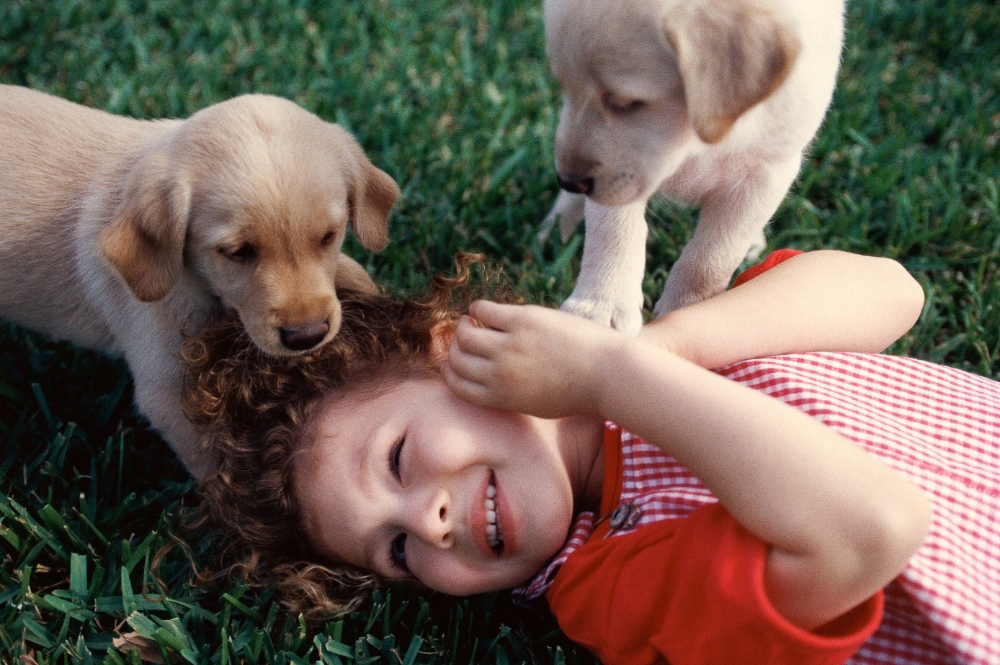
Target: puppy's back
(53,148)
(53,153)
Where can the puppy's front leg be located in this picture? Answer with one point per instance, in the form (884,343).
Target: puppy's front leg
(729,228)
(568,211)
(609,288)
(159,381)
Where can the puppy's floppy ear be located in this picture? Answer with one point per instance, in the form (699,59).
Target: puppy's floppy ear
(145,240)
(373,192)
(732,55)
(350,275)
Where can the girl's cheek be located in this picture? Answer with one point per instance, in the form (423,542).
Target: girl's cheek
(422,566)
(447,574)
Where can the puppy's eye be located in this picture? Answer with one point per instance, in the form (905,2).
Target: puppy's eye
(245,253)
(328,239)
(621,105)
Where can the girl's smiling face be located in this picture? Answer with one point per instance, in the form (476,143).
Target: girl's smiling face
(409,482)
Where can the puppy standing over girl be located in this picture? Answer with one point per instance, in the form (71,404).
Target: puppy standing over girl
(747,516)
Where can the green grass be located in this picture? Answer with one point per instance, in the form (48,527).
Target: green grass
(455,101)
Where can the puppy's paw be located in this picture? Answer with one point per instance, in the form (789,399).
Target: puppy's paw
(668,303)
(568,211)
(616,314)
(674,297)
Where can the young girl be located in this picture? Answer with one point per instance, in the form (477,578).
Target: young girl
(723,517)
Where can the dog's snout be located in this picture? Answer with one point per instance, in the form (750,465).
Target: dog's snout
(576,185)
(306,335)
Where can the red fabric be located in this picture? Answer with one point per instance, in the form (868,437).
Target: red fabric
(773,259)
(614,476)
(689,591)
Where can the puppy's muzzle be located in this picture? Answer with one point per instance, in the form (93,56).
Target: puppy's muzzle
(305,336)
(576,185)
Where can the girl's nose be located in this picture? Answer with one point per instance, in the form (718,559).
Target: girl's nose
(436,521)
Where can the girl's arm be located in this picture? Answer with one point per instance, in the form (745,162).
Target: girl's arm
(841,524)
(818,301)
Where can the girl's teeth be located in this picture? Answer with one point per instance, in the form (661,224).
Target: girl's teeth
(494,536)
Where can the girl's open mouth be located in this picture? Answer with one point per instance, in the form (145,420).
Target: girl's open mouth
(494,531)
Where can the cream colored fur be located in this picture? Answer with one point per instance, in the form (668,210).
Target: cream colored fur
(117,234)
(710,102)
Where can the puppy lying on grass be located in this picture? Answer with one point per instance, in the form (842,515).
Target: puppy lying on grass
(117,234)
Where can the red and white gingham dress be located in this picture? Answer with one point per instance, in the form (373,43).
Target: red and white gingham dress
(938,426)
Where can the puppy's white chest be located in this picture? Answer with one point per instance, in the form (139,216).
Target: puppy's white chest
(700,174)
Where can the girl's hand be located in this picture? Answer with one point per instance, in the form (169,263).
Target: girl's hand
(528,359)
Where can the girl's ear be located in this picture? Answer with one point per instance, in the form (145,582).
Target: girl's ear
(441,336)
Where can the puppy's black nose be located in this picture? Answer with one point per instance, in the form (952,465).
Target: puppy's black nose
(576,185)
(305,336)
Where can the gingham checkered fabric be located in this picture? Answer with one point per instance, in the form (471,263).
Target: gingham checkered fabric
(938,426)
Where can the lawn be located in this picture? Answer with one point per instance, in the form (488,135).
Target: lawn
(454,100)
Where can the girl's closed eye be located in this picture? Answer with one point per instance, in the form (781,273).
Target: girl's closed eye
(394,455)
(397,553)
(397,549)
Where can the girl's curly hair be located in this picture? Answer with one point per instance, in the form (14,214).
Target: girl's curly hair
(253,409)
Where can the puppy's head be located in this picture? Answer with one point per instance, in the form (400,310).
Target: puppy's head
(646,82)
(250,200)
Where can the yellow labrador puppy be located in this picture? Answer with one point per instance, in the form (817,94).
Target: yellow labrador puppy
(710,102)
(117,234)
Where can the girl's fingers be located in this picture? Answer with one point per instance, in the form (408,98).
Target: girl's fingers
(494,315)
(468,390)
(469,365)
(477,340)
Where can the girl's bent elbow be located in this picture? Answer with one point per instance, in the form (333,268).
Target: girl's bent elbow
(915,524)
(869,561)
(880,548)
(901,530)
(907,292)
